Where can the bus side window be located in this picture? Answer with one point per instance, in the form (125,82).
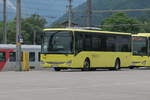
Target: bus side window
(96,43)
(2,56)
(103,43)
(12,56)
(88,42)
(79,42)
(111,45)
(32,56)
(124,43)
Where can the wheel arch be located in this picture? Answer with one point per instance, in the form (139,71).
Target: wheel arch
(118,59)
(87,58)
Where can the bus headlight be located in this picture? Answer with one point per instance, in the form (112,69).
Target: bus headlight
(69,62)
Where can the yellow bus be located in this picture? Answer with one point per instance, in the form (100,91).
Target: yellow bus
(85,49)
(141,50)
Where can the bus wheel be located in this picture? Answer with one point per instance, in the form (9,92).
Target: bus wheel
(57,69)
(117,64)
(86,66)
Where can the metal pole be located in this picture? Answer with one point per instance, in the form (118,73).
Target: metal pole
(89,13)
(69,13)
(18,35)
(34,37)
(4,23)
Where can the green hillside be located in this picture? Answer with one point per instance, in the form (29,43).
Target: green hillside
(79,16)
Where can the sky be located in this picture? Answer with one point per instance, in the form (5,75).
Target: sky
(10,7)
(50,9)
(9,4)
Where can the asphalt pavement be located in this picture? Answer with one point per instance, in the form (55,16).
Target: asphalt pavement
(75,85)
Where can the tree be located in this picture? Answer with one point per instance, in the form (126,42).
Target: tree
(122,23)
(11,32)
(145,20)
(33,25)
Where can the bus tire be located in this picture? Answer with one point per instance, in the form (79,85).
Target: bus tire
(86,65)
(117,64)
(57,69)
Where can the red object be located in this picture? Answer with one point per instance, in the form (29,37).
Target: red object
(7,56)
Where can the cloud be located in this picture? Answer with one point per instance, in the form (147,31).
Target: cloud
(11,5)
(1,1)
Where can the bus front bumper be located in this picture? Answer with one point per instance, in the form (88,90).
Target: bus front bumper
(67,64)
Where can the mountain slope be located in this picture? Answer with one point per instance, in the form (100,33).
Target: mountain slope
(108,5)
(50,9)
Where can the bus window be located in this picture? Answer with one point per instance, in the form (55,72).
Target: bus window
(103,43)
(88,42)
(59,42)
(12,56)
(124,43)
(2,56)
(96,43)
(79,42)
(140,46)
(111,45)
(32,56)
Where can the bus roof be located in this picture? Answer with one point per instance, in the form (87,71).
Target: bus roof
(142,34)
(85,30)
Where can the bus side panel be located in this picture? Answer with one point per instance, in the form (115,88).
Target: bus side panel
(97,59)
(125,59)
(140,61)
(148,62)
(102,59)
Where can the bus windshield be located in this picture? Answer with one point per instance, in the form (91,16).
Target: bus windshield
(57,42)
(139,46)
